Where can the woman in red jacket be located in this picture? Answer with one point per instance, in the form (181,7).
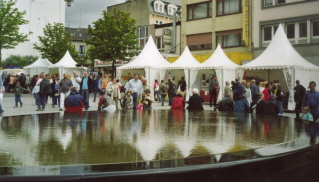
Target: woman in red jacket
(178,101)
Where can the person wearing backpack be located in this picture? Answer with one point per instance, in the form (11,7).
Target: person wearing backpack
(162,91)
(298,96)
(280,97)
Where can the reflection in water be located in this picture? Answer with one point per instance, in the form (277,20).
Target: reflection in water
(129,136)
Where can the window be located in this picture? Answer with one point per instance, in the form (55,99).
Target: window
(82,49)
(142,33)
(171,8)
(226,7)
(159,6)
(200,42)
(278,2)
(267,33)
(159,44)
(158,22)
(199,11)
(231,38)
(315,31)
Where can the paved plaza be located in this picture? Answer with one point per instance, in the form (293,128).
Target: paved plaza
(29,106)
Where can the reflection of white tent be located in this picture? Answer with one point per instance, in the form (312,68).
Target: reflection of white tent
(40,65)
(149,60)
(283,62)
(184,63)
(225,68)
(65,65)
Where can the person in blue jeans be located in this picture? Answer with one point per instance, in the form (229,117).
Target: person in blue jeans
(96,89)
(44,89)
(86,88)
(311,99)
(162,91)
(136,86)
(171,91)
(36,95)
(17,93)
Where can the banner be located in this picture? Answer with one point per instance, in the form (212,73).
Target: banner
(246,14)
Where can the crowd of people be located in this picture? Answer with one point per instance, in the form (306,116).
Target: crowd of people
(72,94)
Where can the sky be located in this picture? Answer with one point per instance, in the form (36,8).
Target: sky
(90,11)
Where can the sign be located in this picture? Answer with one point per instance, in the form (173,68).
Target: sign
(167,36)
(246,14)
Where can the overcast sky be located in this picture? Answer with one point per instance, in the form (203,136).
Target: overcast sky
(90,10)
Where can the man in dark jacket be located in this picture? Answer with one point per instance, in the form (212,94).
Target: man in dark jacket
(271,106)
(213,90)
(242,105)
(254,88)
(171,91)
(195,101)
(298,96)
(74,101)
(257,105)
(65,87)
(44,90)
(86,87)
(226,104)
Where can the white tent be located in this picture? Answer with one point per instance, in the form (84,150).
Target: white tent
(40,65)
(283,62)
(65,65)
(224,67)
(149,60)
(184,63)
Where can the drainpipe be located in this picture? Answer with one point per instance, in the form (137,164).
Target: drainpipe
(174,32)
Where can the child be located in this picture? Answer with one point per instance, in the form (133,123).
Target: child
(17,92)
(128,100)
(307,116)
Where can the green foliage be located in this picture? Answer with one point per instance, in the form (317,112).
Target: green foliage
(10,20)
(17,60)
(55,42)
(111,37)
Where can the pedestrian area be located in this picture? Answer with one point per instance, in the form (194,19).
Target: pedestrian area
(29,106)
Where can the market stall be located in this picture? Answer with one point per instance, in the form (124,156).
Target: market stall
(40,65)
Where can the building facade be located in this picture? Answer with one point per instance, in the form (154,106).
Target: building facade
(79,35)
(205,24)
(147,14)
(38,13)
(300,20)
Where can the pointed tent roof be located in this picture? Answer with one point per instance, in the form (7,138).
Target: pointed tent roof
(149,57)
(218,60)
(186,60)
(40,63)
(279,54)
(66,62)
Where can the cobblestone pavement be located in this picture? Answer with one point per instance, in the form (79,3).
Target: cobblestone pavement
(29,106)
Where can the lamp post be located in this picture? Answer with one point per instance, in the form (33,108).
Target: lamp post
(82,58)
(68,2)
(30,59)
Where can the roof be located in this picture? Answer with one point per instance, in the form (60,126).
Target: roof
(78,33)
(66,62)
(280,54)
(178,3)
(40,63)
(186,60)
(217,60)
(149,57)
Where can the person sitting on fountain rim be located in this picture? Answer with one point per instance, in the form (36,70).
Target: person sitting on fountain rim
(149,99)
(106,102)
(178,101)
(241,105)
(227,103)
(270,106)
(74,102)
(195,101)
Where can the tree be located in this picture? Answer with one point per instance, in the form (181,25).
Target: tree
(55,42)
(17,60)
(10,20)
(113,37)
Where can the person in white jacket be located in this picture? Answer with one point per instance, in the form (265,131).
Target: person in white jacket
(114,92)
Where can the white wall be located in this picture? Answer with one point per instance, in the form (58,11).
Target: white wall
(38,13)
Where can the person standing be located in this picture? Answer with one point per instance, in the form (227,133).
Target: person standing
(311,99)
(23,80)
(280,97)
(266,91)
(86,87)
(17,94)
(44,89)
(56,93)
(298,96)
(162,91)
(76,80)
(136,86)
(227,89)
(114,91)
(65,87)
(1,91)
(171,91)
(104,82)
(156,90)
(254,88)
(248,93)
(145,86)
(96,87)
(213,90)
(182,85)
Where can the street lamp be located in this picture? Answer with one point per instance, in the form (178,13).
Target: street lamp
(30,59)
(68,2)
(82,58)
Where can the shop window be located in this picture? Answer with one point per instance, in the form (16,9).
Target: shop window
(226,7)
(199,11)
(199,42)
(227,39)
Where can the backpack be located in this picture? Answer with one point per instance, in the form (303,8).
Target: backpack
(164,88)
